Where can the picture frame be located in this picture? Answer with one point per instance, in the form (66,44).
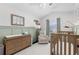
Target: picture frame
(17,20)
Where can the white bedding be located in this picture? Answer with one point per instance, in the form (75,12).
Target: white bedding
(13,35)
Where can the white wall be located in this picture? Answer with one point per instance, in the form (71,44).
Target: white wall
(5,16)
(67,18)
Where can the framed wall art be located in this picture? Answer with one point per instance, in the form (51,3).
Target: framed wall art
(17,20)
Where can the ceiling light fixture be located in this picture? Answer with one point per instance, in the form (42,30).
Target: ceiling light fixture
(50,4)
(44,5)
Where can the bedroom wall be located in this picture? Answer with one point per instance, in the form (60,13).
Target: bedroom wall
(67,18)
(5,16)
(76,23)
(5,22)
(12,30)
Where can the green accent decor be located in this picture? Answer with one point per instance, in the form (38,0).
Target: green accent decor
(47,27)
(14,30)
(76,29)
(58,24)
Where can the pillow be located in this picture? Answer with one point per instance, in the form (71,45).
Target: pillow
(25,33)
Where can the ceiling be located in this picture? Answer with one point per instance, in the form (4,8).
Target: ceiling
(43,9)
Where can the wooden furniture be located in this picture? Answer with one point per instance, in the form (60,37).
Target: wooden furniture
(16,43)
(57,46)
(78,46)
(66,32)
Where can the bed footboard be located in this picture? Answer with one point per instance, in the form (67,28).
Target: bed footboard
(63,44)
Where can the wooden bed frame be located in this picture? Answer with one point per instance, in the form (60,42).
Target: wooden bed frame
(66,32)
(16,43)
(66,37)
